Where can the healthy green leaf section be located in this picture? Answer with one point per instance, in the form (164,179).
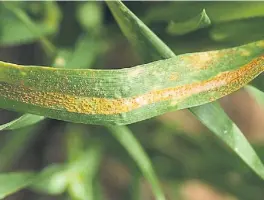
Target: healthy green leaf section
(180,28)
(20,122)
(132,94)
(206,113)
(130,143)
(13,182)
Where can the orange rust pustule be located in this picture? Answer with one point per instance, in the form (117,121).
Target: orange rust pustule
(224,83)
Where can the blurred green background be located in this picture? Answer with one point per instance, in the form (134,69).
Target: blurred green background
(190,162)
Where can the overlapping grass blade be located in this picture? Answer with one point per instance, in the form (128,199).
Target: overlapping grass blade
(22,121)
(146,41)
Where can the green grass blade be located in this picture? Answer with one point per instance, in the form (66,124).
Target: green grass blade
(130,143)
(127,22)
(136,31)
(180,28)
(22,121)
(230,134)
(258,94)
(13,182)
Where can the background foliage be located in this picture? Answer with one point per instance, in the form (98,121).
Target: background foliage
(71,161)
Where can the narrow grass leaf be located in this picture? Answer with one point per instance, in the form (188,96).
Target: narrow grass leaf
(13,182)
(180,28)
(22,121)
(133,147)
(138,34)
(136,31)
(230,134)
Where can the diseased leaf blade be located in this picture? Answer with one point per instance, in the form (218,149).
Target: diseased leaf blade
(138,33)
(180,28)
(22,121)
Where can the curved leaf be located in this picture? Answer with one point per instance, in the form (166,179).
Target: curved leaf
(22,121)
(138,34)
(136,93)
(180,28)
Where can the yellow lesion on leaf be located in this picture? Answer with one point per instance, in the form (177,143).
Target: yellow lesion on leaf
(202,60)
(260,43)
(173,76)
(244,52)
